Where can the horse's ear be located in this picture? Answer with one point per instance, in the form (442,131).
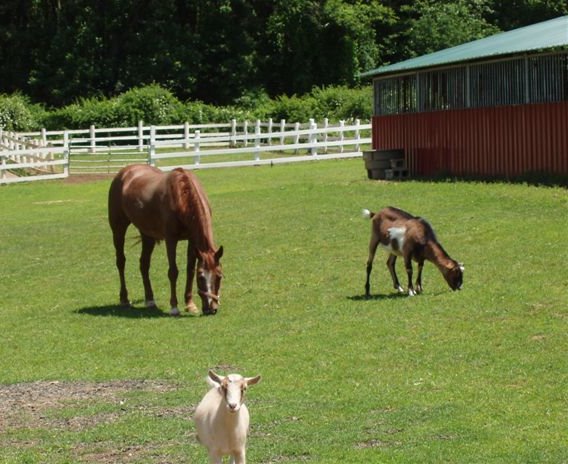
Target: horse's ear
(219,253)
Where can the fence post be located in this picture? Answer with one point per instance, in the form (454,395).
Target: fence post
(140,135)
(196,148)
(152,147)
(282,129)
(232,139)
(341,134)
(43,142)
(245,133)
(270,125)
(313,137)
(357,135)
(186,135)
(3,170)
(66,153)
(297,136)
(257,140)
(93,141)
(325,126)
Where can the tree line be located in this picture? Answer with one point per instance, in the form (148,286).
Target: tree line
(219,51)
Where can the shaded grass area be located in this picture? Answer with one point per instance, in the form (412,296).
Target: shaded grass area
(473,376)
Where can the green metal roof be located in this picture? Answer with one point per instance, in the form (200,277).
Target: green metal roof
(548,34)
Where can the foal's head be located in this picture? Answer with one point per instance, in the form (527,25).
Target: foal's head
(209,276)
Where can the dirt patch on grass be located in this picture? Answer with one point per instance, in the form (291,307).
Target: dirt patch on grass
(40,406)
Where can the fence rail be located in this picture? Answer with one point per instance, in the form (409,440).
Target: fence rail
(106,150)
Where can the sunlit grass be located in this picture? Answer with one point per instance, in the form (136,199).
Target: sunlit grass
(474,376)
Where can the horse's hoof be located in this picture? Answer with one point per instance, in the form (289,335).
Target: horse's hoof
(174,312)
(125,304)
(151,304)
(191,308)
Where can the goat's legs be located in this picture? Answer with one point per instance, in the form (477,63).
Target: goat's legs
(373,244)
(148,244)
(419,276)
(391,261)
(408,266)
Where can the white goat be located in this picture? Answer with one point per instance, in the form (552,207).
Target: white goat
(222,418)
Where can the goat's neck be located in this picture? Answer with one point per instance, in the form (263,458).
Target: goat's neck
(434,253)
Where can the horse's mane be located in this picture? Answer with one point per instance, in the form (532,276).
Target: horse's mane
(190,202)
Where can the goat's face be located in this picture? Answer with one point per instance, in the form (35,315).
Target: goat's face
(233,388)
(454,276)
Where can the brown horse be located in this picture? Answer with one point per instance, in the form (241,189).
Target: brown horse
(172,207)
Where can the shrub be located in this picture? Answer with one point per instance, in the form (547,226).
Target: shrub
(18,114)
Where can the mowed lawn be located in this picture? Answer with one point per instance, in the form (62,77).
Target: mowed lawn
(477,376)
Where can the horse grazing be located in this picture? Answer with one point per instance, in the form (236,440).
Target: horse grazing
(412,238)
(172,207)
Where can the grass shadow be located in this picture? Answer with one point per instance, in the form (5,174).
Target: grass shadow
(133,311)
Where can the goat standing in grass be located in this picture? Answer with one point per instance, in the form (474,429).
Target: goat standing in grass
(222,418)
(402,234)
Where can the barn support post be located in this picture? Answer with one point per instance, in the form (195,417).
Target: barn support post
(92,139)
(152,147)
(140,135)
(196,149)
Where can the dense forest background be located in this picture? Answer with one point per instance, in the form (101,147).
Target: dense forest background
(224,52)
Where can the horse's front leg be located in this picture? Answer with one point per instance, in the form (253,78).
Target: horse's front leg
(190,306)
(148,245)
(118,239)
(171,247)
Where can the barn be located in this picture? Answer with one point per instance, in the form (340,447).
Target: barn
(494,107)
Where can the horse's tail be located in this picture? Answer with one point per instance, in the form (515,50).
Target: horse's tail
(367,214)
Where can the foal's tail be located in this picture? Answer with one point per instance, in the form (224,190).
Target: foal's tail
(367,214)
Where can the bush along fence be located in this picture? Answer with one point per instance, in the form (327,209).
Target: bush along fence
(106,150)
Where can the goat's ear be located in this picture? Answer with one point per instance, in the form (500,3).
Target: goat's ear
(252,380)
(214,379)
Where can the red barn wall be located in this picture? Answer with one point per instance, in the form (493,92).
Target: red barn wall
(504,141)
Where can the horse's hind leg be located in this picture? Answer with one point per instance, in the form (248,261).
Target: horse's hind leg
(148,244)
(118,234)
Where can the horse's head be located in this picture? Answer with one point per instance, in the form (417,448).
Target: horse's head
(209,276)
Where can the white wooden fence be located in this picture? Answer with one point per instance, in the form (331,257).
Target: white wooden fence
(106,150)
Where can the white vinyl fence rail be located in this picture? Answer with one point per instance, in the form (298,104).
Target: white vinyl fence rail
(24,162)
(106,150)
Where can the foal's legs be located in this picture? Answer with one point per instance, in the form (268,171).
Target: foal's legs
(408,265)
(391,261)
(148,244)
(171,247)
(373,244)
(419,277)
(190,306)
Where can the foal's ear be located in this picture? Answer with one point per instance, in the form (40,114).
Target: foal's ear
(219,253)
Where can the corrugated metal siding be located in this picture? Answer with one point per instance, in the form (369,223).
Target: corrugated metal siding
(504,141)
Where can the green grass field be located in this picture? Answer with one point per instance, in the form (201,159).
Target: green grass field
(477,376)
